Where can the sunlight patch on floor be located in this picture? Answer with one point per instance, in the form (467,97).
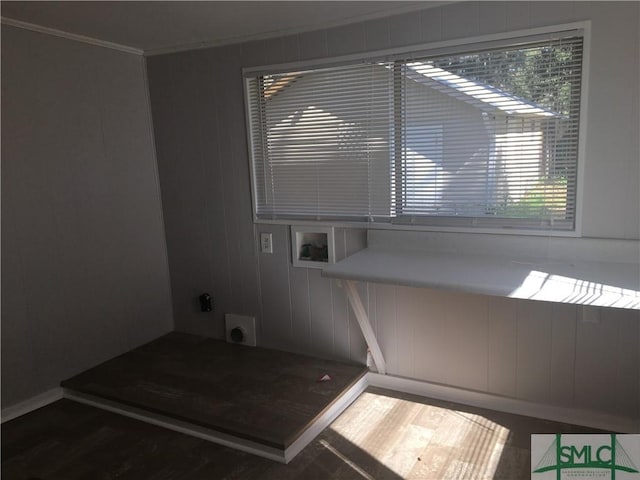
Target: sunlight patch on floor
(420,441)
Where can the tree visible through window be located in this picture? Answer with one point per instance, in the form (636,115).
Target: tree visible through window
(477,138)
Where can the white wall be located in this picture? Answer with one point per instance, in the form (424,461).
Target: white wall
(540,352)
(84,264)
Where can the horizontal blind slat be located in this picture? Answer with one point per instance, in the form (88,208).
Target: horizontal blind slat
(483,134)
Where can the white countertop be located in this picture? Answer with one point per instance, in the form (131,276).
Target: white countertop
(584,282)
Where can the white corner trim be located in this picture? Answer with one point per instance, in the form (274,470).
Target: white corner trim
(326,418)
(31,404)
(69,36)
(498,403)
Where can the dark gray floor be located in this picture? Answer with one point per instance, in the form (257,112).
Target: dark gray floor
(71,441)
(260,395)
(266,396)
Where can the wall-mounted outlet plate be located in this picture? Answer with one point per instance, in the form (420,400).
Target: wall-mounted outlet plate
(266,242)
(246,324)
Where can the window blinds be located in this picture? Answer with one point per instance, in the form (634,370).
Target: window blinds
(480,138)
(491,137)
(321,143)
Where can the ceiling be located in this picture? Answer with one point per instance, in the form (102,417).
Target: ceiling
(163,26)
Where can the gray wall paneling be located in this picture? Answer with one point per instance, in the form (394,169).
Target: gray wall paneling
(176,139)
(386,322)
(520,349)
(502,347)
(84,271)
(546,352)
(321,308)
(302,311)
(607,361)
(467,331)
(276,327)
(356,240)
(300,308)
(534,351)
(204,176)
(341,308)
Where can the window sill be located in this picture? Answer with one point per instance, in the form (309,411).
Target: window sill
(421,228)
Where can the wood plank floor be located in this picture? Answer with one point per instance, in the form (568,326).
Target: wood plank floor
(382,435)
(265,396)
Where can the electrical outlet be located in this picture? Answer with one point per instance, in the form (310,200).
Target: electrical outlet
(266,242)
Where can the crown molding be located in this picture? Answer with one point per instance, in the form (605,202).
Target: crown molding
(267,35)
(69,36)
(235,40)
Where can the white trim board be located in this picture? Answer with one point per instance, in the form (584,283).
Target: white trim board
(498,403)
(31,404)
(69,36)
(205,43)
(327,417)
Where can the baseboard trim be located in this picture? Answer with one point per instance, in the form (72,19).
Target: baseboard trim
(31,404)
(587,418)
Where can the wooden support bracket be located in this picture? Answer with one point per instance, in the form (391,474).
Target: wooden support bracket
(365,325)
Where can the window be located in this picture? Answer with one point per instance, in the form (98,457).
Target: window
(474,137)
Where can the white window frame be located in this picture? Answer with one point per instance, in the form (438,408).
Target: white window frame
(444,47)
